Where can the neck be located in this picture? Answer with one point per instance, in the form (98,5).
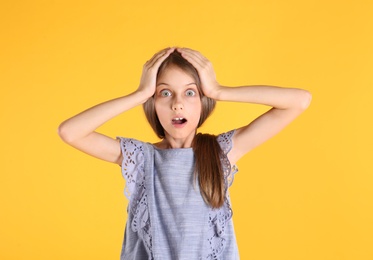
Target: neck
(173,143)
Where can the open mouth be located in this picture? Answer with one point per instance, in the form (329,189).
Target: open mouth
(179,121)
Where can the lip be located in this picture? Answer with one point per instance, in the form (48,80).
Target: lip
(177,118)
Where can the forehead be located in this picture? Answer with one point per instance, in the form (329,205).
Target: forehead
(175,75)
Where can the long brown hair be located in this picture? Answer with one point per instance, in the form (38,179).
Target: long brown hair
(207,151)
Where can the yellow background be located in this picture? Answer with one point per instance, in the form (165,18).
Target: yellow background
(305,194)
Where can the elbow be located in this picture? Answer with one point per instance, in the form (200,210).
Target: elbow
(64,133)
(304,99)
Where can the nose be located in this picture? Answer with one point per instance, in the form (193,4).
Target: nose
(177,104)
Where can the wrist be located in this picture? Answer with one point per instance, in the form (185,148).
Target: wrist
(142,95)
(145,93)
(216,93)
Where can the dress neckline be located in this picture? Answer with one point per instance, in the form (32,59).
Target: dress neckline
(171,149)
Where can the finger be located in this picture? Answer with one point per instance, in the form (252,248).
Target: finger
(154,57)
(195,54)
(161,55)
(161,58)
(194,57)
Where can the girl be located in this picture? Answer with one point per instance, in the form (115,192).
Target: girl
(179,206)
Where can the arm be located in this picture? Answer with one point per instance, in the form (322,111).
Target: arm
(286,103)
(79,131)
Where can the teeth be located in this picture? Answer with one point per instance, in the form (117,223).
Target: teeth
(178,118)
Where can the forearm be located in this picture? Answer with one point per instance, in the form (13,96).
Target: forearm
(277,97)
(84,123)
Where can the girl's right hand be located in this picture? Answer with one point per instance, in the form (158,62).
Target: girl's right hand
(80,130)
(149,73)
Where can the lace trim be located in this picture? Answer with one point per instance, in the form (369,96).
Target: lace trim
(218,218)
(132,164)
(133,172)
(226,144)
(141,220)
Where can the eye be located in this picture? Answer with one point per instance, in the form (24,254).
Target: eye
(190,93)
(165,93)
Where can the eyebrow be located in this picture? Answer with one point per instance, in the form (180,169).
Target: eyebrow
(162,83)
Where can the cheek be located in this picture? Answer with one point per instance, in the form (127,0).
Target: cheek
(159,111)
(157,106)
(196,107)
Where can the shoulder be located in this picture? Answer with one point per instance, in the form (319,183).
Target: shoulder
(225,141)
(132,163)
(129,141)
(131,147)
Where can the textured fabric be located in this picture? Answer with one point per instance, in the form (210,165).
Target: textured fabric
(167,216)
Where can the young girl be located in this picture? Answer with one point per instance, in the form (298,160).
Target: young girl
(179,206)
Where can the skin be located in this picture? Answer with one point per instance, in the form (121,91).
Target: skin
(287,104)
(177,96)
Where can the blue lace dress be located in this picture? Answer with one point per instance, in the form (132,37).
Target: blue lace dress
(167,217)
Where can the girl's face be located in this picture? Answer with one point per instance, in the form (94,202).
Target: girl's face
(177,104)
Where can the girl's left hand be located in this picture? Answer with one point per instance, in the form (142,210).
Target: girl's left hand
(209,84)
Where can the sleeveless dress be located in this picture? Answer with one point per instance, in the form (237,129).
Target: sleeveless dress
(167,216)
